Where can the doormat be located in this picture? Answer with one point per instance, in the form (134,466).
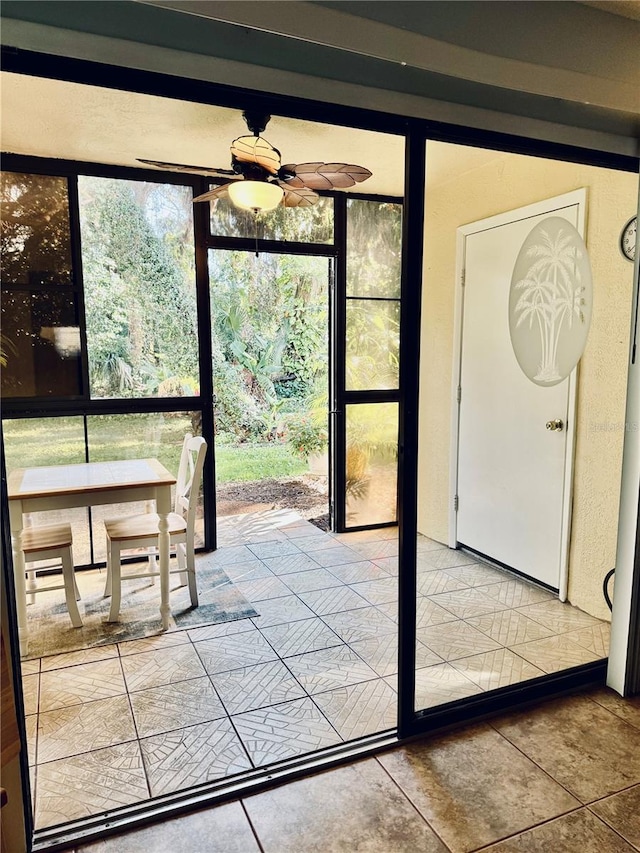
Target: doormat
(50,631)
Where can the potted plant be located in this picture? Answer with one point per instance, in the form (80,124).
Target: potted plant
(308,438)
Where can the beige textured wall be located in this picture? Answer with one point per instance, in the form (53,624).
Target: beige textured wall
(496,184)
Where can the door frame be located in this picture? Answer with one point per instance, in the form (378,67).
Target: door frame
(549,205)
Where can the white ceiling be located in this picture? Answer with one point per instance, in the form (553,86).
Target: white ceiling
(50,118)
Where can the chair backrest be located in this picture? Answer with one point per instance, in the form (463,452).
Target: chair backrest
(194,450)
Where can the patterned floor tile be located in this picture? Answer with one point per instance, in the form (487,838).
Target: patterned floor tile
(389,564)
(430,613)
(249,571)
(389,610)
(82,656)
(360,624)
(376,549)
(498,668)
(333,600)
(336,556)
(380,591)
(595,638)
(441,683)
(456,640)
(183,759)
(508,627)
(318,542)
(465,603)
(517,593)
(223,629)
(231,554)
(301,528)
(174,706)
(166,640)
(31,726)
(30,690)
(89,784)
(555,653)
(360,709)
(329,668)
(559,616)
(82,728)
(31,667)
(153,669)
(282,731)
(234,652)
(262,589)
(423,544)
(381,654)
(291,564)
(263,550)
(445,558)
(311,580)
(307,635)
(477,574)
(277,611)
(256,687)
(82,683)
(357,572)
(435,581)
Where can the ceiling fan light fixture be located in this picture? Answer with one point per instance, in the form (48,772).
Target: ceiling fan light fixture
(255,195)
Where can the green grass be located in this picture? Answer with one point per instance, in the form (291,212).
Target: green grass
(256,462)
(60,441)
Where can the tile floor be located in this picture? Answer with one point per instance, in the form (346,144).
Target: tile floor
(119,724)
(563,777)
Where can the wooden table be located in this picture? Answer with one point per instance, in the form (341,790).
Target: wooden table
(89,484)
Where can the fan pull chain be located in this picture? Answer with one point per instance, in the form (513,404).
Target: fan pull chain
(255,222)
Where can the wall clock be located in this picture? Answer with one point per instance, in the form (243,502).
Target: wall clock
(628,239)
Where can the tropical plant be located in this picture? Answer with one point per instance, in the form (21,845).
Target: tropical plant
(551,295)
(306,434)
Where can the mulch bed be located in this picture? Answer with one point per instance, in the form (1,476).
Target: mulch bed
(306,494)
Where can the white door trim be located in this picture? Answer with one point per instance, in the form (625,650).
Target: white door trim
(576,197)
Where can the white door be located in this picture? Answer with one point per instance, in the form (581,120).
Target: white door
(513,474)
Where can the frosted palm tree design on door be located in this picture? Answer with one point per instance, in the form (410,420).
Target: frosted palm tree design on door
(551,283)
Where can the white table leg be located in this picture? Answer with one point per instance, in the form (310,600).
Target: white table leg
(163,503)
(15,517)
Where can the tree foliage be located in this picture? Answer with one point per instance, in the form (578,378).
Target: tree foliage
(139,288)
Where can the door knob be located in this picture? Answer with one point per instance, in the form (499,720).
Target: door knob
(555,426)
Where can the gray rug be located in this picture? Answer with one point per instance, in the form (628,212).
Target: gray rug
(51,632)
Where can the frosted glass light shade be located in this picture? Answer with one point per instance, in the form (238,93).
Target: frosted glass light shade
(255,195)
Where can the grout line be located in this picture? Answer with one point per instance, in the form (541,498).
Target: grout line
(253,829)
(411,803)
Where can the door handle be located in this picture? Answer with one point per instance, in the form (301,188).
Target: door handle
(555,426)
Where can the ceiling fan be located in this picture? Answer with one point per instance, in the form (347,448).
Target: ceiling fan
(259,181)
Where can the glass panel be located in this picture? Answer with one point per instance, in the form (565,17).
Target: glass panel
(139,275)
(373,342)
(511,482)
(37,442)
(149,436)
(269,322)
(300,224)
(36,239)
(374,242)
(40,345)
(371,463)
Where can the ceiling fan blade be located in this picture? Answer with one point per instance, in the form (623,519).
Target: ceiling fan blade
(182,167)
(325,176)
(298,196)
(256,149)
(215,193)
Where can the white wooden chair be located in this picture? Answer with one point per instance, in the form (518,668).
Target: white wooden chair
(49,542)
(141,531)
